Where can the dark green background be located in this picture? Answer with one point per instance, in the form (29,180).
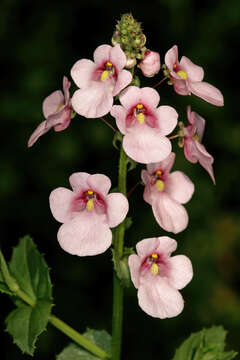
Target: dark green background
(40,41)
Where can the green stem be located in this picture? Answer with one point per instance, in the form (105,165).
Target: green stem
(59,324)
(117,318)
(78,338)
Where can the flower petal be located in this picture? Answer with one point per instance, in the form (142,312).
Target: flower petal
(99,183)
(165,165)
(118,57)
(129,97)
(78,181)
(66,86)
(124,78)
(60,204)
(149,97)
(134,263)
(205,159)
(194,72)
(169,214)
(82,72)
(200,125)
(160,300)
(117,208)
(166,245)
(119,113)
(145,145)
(85,235)
(179,187)
(93,102)
(39,131)
(181,271)
(207,92)
(102,54)
(167,119)
(181,87)
(147,246)
(171,57)
(52,102)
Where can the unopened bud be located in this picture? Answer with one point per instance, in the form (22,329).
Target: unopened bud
(150,65)
(130,63)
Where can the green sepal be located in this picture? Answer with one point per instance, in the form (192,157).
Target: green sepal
(121,266)
(207,344)
(131,164)
(26,323)
(75,352)
(117,140)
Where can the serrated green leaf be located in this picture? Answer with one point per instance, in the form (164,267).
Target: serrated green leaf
(75,352)
(26,323)
(207,344)
(30,270)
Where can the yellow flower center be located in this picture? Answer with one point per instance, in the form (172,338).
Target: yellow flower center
(182,74)
(139,113)
(90,198)
(154,269)
(109,70)
(160,185)
(196,137)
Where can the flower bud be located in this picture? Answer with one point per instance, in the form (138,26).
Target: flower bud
(150,65)
(130,63)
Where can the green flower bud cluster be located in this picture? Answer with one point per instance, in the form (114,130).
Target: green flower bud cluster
(129,35)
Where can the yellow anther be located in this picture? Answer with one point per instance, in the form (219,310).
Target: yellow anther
(155,256)
(154,269)
(90,205)
(90,192)
(139,106)
(159,172)
(174,66)
(160,185)
(108,63)
(196,137)
(182,74)
(141,118)
(104,75)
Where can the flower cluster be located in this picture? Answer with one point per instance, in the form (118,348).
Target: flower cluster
(89,211)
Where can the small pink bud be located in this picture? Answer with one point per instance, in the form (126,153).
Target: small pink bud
(150,65)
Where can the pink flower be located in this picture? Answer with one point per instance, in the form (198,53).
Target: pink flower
(99,81)
(87,213)
(144,125)
(193,149)
(57,112)
(187,78)
(158,277)
(166,193)
(150,65)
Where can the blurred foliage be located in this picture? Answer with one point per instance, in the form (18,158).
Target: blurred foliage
(40,41)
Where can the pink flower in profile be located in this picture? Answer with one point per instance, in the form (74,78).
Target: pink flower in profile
(144,125)
(99,81)
(158,277)
(150,65)
(87,213)
(187,78)
(166,193)
(193,149)
(57,112)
